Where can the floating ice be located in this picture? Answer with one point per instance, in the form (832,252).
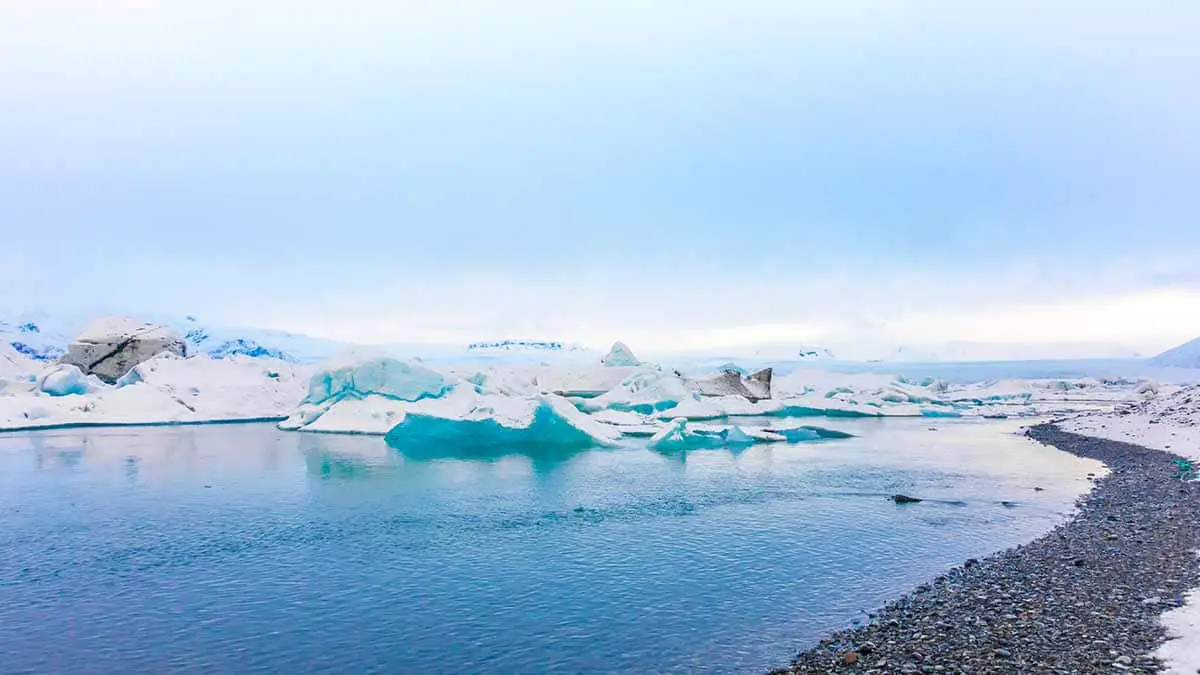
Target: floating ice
(808,433)
(63,380)
(680,435)
(356,376)
(165,389)
(647,392)
(620,355)
(546,423)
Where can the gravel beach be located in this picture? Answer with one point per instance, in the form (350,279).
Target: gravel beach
(1084,598)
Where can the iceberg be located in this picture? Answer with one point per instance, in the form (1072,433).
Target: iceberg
(679,436)
(808,433)
(546,423)
(646,392)
(165,389)
(412,406)
(356,376)
(63,380)
(620,355)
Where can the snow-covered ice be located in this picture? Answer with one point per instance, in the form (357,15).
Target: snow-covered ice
(165,389)
(1163,420)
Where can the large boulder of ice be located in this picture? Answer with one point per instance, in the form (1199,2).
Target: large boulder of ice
(62,380)
(501,425)
(680,435)
(647,392)
(620,355)
(109,347)
(358,375)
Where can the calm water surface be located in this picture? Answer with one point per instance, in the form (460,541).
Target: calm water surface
(242,548)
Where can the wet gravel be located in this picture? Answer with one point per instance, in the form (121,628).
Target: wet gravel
(1084,598)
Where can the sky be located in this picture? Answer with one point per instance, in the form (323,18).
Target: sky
(684,174)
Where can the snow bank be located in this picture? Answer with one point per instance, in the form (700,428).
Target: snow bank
(1168,422)
(1180,654)
(164,389)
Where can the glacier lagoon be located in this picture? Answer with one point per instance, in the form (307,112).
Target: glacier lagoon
(241,547)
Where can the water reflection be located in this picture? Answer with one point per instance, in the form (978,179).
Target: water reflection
(133,550)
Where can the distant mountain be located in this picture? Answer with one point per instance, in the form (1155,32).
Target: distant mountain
(45,337)
(1186,355)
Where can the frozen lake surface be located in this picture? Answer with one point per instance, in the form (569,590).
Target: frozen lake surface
(235,548)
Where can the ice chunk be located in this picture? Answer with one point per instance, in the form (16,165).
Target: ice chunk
(647,392)
(934,412)
(63,380)
(546,423)
(355,376)
(620,355)
(679,435)
(808,433)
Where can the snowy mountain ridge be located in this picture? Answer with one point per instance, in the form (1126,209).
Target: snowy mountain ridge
(1186,355)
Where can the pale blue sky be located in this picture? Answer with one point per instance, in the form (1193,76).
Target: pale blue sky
(719,171)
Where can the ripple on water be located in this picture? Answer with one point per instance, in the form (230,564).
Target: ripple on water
(236,548)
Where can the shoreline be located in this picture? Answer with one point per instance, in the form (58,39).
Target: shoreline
(1085,597)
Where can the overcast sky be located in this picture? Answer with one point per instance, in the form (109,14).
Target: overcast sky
(693,173)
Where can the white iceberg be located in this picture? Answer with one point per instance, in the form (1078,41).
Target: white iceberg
(499,425)
(620,355)
(64,380)
(414,405)
(679,435)
(647,391)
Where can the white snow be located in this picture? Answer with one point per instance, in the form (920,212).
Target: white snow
(166,389)
(1165,421)
(1180,654)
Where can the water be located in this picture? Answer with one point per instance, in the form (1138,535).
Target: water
(241,548)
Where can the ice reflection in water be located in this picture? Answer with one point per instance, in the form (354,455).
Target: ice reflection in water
(240,547)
